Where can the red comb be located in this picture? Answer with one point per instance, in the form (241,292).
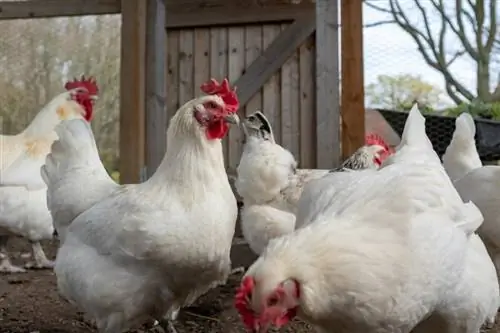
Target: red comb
(223,90)
(90,84)
(241,301)
(375,139)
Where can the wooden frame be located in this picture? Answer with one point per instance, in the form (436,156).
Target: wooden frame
(143,120)
(180,13)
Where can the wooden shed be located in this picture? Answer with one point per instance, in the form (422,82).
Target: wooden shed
(281,54)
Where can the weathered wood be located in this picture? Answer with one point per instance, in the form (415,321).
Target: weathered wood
(219,68)
(352,105)
(53,8)
(132,90)
(253,49)
(202,13)
(186,66)
(172,73)
(307,105)
(236,62)
(271,94)
(180,14)
(273,57)
(327,84)
(156,113)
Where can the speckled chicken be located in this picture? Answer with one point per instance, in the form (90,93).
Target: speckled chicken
(393,251)
(270,183)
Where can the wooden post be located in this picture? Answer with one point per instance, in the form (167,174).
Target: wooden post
(353,103)
(156,112)
(327,84)
(132,90)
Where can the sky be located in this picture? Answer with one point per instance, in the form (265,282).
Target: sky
(389,50)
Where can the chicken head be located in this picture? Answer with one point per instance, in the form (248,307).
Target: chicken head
(84,92)
(256,124)
(261,307)
(378,148)
(214,111)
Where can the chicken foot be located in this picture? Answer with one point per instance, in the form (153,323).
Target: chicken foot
(40,260)
(167,325)
(5,265)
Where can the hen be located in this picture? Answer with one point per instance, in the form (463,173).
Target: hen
(270,183)
(384,254)
(142,251)
(475,182)
(23,206)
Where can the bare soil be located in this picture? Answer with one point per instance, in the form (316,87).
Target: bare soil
(29,303)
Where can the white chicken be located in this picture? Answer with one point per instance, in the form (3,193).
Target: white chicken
(142,251)
(270,183)
(475,182)
(23,203)
(387,253)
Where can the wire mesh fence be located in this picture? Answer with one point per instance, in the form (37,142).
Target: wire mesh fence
(429,52)
(38,56)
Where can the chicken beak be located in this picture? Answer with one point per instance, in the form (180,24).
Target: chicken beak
(232,118)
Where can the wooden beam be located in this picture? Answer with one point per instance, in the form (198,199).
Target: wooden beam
(156,112)
(229,13)
(132,90)
(327,85)
(274,57)
(353,104)
(54,8)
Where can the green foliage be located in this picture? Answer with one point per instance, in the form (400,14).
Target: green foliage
(401,92)
(477,109)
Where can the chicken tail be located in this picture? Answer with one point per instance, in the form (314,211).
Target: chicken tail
(414,130)
(74,174)
(461,155)
(471,218)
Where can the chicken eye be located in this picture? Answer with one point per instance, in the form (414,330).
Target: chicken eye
(211,105)
(251,118)
(272,301)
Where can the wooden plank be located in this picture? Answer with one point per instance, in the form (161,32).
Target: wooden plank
(307,105)
(180,14)
(186,66)
(290,84)
(271,91)
(253,49)
(353,105)
(327,85)
(203,13)
(172,74)
(219,69)
(273,57)
(286,112)
(156,113)
(132,90)
(53,8)
(236,63)
(201,57)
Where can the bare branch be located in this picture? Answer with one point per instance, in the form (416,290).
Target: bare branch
(377,8)
(492,31)
(377,24)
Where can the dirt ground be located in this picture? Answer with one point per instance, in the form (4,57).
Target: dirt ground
(29,303)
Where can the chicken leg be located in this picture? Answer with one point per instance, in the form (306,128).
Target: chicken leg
(40,260)
(167,325)
(5,264)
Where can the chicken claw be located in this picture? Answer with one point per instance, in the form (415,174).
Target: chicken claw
(167,325)
(40,260)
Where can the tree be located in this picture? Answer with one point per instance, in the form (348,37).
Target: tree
(400,92)
(38,56)
(445,31)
